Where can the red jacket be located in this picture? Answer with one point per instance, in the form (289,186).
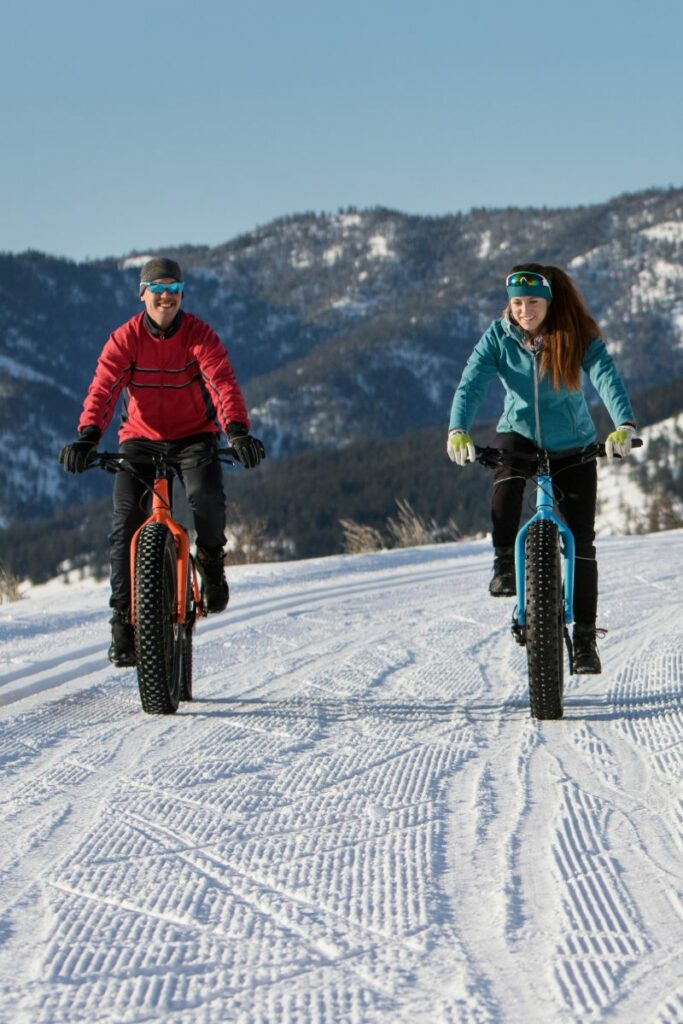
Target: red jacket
(176,385)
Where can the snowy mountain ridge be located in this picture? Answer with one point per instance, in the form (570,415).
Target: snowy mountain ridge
(340,326)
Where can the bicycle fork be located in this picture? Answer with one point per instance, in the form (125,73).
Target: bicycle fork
(160,514)
(544,510)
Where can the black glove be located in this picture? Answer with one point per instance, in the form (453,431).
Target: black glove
(75,456)
(249,450)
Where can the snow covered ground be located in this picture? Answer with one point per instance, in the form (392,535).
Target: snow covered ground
(356,820)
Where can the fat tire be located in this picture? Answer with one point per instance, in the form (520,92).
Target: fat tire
(157,634)
(186,638)
(544,620)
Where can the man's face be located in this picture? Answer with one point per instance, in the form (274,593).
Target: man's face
(162,307)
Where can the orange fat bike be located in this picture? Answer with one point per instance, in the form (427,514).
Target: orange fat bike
(165,590)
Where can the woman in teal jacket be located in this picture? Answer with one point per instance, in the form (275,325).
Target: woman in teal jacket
(544,342)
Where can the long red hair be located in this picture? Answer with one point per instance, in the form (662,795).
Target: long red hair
(568,327)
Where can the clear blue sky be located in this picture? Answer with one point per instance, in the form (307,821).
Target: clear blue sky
(126,126)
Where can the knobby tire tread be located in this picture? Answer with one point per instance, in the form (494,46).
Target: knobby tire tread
(544,620)
(156,637)
(186,639)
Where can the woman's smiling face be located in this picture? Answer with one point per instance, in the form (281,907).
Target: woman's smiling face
(529,312)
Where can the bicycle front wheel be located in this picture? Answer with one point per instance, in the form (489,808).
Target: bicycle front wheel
(157,634)
(544,620)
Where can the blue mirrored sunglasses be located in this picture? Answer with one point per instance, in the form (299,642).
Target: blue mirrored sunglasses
(526,278)
(158,287)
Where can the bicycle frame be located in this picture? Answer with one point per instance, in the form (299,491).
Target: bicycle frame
(545,502)
(545,510)
(541,617)
(161,513)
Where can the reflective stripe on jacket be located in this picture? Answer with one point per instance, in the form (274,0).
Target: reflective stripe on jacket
(175,386)
(555,420)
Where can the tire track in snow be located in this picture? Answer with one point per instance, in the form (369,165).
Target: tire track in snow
(646,720)
(605,934)
(616,956)
(62,768)
(540,838)
(353,855)
(343,793)
(357,821)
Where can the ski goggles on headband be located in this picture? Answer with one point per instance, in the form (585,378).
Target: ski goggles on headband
(158,287)
(528,283)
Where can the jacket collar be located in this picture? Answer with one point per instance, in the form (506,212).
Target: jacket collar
(156,331)
(521,337)
(512,330)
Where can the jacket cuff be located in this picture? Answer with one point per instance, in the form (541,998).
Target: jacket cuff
(91,433)
(235,430)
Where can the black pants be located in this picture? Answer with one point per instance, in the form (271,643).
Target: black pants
(575,488)
(201,476)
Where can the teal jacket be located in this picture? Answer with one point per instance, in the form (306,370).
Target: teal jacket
(554,420)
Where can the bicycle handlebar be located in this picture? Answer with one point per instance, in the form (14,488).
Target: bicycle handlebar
(113,461)
(492,458)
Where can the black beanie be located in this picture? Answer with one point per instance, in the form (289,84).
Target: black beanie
(160,267)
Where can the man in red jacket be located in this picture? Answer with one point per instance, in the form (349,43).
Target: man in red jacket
(179,388)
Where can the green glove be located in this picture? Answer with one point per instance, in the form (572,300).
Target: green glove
(460,447)
(618,443)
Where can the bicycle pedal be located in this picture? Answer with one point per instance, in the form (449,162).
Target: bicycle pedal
(518,632)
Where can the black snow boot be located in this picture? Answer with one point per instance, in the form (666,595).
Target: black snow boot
(215,593)
(122,648)
(503,583)
(586,660)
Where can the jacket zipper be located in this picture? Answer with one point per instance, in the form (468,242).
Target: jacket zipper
(537,414)
(161,338)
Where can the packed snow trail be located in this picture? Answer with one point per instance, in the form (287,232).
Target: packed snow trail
(356,820)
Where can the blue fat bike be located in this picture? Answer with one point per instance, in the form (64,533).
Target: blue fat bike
(544,575)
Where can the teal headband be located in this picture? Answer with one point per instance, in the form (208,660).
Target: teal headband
(527,283)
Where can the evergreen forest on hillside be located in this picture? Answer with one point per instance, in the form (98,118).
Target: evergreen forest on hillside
(299,500)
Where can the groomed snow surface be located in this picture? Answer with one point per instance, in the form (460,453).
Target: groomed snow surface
(356,820)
